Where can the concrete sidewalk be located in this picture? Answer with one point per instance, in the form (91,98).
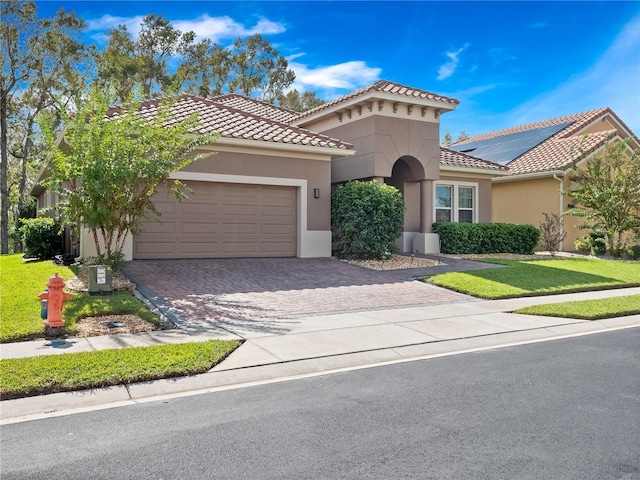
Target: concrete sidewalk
(316,344)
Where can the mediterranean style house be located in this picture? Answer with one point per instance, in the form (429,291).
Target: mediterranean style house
(265,190)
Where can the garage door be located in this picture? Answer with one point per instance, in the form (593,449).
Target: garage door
(221,220)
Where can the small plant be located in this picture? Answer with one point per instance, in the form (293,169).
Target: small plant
(583,245)
(41,237)
(598,242)
(115,260)
(552,233)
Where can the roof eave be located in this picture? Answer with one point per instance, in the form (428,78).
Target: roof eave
(443,106)
(474,170)
(527,176)
(334,152)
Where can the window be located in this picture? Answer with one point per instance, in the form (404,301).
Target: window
(443,203)
(455,202)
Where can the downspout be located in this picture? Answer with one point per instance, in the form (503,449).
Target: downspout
(555,176)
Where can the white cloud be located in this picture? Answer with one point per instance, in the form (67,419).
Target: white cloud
(347,76)
(108,22)
(214,28)
(449,68)
(612,81)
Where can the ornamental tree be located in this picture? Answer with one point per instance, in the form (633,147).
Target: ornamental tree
(111,163)
(366,219)
(607,194)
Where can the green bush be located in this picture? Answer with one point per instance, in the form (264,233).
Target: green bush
(41,237)
(583,245)
(366,219)
(634,252)
(461,238)
(598,243)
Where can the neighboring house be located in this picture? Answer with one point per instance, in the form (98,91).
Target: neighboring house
(540,157)
(266,188)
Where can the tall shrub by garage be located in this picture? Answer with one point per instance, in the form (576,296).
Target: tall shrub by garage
(366,219)
(41,237)
(470,238)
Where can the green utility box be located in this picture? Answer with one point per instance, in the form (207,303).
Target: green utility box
(100,282)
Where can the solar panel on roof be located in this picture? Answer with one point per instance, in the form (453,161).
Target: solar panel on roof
(505,148)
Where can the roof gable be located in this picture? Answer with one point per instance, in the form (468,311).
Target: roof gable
(382,87)
(549,145)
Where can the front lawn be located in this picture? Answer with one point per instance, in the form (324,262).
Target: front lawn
(23,377)
(21,282)
(541,277)
(588,309)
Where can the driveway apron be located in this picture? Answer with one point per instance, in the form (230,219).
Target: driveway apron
(246,293)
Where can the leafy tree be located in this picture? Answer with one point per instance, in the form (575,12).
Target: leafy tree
(257,68)
(366,219)
(607,192)
(205,69)
(446,140)
(113,162)
(39,59)
(299,102)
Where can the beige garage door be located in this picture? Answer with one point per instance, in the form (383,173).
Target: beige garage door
(221,220)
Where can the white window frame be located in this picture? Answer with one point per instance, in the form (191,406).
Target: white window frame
(455,198)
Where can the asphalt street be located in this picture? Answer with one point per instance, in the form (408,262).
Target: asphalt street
(565,409)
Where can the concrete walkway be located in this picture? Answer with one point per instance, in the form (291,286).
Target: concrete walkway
(289,348)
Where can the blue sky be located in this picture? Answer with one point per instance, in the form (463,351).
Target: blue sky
(509,63)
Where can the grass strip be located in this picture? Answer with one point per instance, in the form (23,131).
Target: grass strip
(588,309)
(541,277)
(24,377)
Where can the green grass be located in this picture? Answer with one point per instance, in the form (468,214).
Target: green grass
(541,277)
(22,377)
(588,309)
(21,283)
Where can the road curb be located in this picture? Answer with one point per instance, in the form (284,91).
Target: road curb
(59,404)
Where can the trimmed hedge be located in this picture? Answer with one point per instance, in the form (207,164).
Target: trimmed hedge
(460,238)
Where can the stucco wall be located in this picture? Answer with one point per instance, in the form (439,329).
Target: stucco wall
(380,141)
(526,201)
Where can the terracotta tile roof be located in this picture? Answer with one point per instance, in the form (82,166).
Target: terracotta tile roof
(386,87)
(578,121)
(256,107)
(231,122)
(457,159)
(561,149)
(559,153)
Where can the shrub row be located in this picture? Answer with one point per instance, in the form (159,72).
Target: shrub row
(460,238)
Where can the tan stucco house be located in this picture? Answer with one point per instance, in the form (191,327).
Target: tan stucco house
(540,157)
(266,188)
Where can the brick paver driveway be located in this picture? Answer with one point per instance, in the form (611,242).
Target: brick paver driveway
(228,292)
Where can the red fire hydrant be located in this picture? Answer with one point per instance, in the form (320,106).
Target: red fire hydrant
(55,298)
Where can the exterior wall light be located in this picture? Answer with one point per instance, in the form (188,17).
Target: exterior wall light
(316,193)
